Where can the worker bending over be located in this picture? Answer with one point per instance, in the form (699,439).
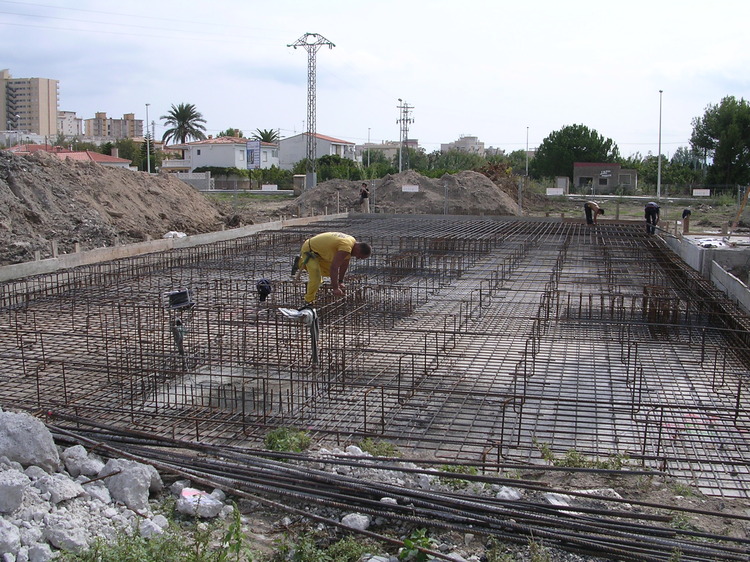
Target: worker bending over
(652,216)
(328,255)
(592,211)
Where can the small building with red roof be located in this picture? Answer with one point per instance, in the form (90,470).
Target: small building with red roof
(222,152)
(77,156)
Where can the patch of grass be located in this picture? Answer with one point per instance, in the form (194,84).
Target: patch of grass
(308,549)
(287,440)
(378,448)
(456,483)
(497,552)
(676,555)
(681,489)
(539,552)
(197,545)
(575,459)
(350,549)
(683,522)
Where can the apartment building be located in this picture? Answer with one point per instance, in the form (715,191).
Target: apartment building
(102,126)
(69,124)
(465,143)
(28,104)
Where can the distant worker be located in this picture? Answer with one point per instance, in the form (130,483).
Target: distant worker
(364,198)
(652,217)
(686,220)
(592,212)
(328,255)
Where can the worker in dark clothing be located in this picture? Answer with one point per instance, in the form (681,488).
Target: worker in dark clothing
(652,217)
(592,211)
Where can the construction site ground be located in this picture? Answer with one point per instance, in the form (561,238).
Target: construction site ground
(504,343)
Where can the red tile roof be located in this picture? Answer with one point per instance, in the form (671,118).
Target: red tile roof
(89,156)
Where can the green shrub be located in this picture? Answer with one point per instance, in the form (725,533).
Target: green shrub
(287,440)
(378,448)
(456,483)
(418,539)
(306,549)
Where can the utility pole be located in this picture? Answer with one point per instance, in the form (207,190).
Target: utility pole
(311,42)
(658,170)
(404,121)
(148,148)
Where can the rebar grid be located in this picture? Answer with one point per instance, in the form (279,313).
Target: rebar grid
(467,338)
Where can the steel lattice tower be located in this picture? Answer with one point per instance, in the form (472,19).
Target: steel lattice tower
(403,121)
(311,42)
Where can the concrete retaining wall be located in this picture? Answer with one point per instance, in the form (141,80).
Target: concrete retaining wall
(67,261)
(711,263)
(735,289)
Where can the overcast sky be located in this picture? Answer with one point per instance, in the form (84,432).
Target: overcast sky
(503,71)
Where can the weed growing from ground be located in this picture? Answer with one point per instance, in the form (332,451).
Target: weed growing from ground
(287,440)
(456,483)
(411,550)
(378,448)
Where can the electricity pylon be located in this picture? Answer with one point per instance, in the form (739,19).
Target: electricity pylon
(311,42)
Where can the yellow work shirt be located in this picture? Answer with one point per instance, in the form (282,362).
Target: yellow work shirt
(323,247)
(326,245)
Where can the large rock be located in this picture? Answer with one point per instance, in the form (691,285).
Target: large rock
(10,537)
(131,482)
(59,488)
(198,503)
(24,439)
(78,461)
(12,485)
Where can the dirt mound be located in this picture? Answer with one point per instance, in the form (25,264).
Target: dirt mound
(465,193)
(45,199)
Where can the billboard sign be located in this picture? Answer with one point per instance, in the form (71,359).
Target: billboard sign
(253,155)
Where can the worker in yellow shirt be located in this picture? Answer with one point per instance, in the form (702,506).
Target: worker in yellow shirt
(328,255)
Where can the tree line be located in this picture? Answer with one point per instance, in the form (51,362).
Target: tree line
(718,155)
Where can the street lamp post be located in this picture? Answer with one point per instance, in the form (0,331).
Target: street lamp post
(658,168)
(148,146)
(527,152)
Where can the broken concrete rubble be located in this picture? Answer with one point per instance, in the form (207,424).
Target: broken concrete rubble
(47,505)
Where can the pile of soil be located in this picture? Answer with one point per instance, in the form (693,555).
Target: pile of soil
(84,206)
(45,199)
(464,193)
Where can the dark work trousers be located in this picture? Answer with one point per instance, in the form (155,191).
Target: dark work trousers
(589,214)
(652,218)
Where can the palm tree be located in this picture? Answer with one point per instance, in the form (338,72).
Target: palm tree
(266,135)
(186,122)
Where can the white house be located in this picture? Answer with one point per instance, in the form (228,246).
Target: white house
(293,149)
(221,152)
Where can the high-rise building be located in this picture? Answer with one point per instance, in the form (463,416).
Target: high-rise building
(28,104)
